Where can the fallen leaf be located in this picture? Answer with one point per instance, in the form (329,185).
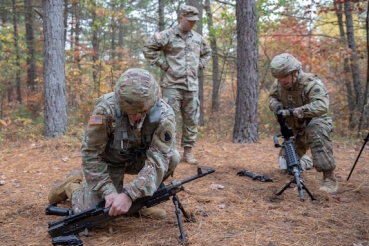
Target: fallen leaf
(216,186)
(3,123)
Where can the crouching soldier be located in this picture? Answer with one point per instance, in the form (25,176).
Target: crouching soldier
(130,131)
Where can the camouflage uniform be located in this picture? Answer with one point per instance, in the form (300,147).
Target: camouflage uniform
(184,54)
(308,96)
(114,145)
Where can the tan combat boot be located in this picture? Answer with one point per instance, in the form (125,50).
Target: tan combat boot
(330,184)
(188,156)
(153,212)
(63,190)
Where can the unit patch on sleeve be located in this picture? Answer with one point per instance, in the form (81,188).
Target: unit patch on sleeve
(95,120)
(166,136)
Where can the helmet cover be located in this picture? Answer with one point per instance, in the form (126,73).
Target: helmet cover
(136,91)
(284,64)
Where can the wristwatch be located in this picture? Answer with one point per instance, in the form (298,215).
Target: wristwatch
(291,111)
(126,192)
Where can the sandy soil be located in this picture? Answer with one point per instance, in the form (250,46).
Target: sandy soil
(229,209)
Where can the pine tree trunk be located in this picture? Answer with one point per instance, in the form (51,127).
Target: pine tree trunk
(246,118)
(55,100)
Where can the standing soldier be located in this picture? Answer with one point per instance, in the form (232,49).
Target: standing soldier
(303,100)
(130,131)
(184,53)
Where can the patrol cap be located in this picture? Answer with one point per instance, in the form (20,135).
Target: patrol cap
(284,64)
(136,91)
(189,12)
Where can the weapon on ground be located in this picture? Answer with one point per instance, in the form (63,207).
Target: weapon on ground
(293,162)
(357,158)
(65,231)
(264,178)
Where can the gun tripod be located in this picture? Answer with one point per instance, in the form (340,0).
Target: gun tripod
(178,206)
(300,187)
(357,158)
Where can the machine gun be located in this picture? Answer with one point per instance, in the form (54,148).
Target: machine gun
(65,231)
(293,162)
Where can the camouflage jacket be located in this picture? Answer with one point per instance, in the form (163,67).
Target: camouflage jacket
(182,57)
(100,130)
(307,92)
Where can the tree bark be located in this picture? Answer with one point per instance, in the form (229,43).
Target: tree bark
(214,47)
(17,59)
(355,72)
(346,68)
(199,6)
(246,117)
(55,100)
(30,41)
(364,119)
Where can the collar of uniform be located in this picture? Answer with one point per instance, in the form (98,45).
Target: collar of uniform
(178,31)
(137,125)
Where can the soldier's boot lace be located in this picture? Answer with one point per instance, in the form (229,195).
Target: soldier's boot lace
(188,156)
(330,184)
(153,213)
(63,190)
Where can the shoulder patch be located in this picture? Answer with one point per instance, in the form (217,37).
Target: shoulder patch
(166,136)
(317,90)
(95,120)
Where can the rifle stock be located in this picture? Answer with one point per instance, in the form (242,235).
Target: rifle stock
(63,230)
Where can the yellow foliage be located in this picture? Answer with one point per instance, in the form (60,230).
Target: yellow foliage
(3,123)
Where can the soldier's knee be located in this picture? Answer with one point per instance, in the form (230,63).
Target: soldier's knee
(322,155)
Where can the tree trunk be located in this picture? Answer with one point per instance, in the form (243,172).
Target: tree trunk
(17,59)
(246,118)
(30,41)
(199,6)
(95,47)
(55,100)
(65,18)
(346,68)
(364,119)
(214,47)
(354,65)
(121,33)
(161,25)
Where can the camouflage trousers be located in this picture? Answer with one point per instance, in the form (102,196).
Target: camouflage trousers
(187,105)
(87,197)
(316,137)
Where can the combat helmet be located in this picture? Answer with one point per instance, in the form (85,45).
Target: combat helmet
(283,64)
(136,91)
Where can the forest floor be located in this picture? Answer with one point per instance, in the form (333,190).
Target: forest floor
(228,209)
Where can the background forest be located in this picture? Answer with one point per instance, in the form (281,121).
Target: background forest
(101,39)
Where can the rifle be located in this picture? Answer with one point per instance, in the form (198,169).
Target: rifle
(357,158)
(293,162)
(264,178)
(65,231)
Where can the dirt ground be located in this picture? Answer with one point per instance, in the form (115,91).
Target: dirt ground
(229,209)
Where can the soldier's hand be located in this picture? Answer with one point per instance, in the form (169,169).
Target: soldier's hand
(284,112)
(298,112)
(118,203)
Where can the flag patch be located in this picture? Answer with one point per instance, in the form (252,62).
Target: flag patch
(158,36)
(95,120)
